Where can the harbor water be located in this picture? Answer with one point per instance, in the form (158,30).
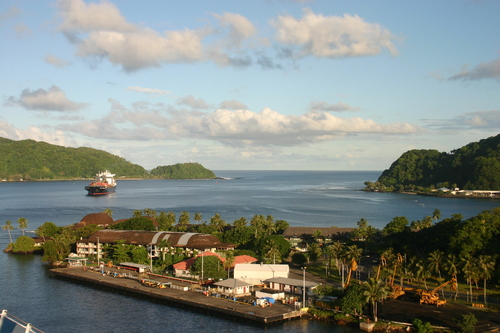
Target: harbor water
(302,198)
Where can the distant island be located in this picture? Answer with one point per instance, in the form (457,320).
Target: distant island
(29,160)
(473,169)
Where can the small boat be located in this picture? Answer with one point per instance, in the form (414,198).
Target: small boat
(104,183)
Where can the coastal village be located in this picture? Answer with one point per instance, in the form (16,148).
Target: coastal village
(262,292)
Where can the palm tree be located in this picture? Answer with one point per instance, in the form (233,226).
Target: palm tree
(268,226)
(434,261)
(317,236)
(230,260)
(335,250)
(150,212)
(427,222)
(374,291)
(421,271)
(486,267)
(217,222)
(352,255)
(467,263)
(23,223)
(108,211)
(184,218)
(451,267)
(385,257)
(271,252)
(197,218)
(436,214)
(8,226)
(240,223)
(313,252)
(257,222)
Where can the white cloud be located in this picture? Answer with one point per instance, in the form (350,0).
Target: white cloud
(61,138)
(337,107)
(22,30)
(232,128)
(106,33)
(232,105)
(485,70)
(480,119)
(143,48)
(332,36)
(57,62)
(77,16)
(196,103)
(53,99)
(152,91)
(240,29)
(10,13)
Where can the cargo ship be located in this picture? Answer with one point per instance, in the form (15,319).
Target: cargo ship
(104,183)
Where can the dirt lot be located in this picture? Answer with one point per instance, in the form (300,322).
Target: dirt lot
(445,316)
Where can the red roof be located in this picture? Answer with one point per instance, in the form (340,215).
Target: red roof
(186,264)
(244,259)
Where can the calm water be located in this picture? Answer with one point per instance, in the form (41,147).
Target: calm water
(320,199)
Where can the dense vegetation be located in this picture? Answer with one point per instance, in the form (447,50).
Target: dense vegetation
(475,166)
(441,251)
(182,171)
(32,160)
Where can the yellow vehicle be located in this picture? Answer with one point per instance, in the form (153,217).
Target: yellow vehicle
(432,297)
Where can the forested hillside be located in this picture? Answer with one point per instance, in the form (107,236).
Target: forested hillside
(32,160)
(182,171)
(475,166)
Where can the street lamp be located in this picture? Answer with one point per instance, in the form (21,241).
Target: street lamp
(98,261)
(304,287)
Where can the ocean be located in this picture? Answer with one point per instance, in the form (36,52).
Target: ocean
(302,198)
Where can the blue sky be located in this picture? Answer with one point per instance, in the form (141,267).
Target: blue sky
(251,85)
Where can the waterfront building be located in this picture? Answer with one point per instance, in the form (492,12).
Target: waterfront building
(292,286)
(155,241)
(233,287)
(256,274)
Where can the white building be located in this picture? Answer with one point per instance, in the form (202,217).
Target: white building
(233,287)
(255,274)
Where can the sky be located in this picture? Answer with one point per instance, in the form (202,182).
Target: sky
(251,85)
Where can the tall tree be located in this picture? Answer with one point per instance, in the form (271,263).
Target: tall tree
(451,267)
(486,268)
(150,212)
(108,211)
(23,223)
(230,260)
(435,261)
(197,218)
(374,291)
(436,214)
(183,221)
(240,223)
(217,222)
(351,255)
(8,226)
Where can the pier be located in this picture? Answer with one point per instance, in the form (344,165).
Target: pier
(181,294)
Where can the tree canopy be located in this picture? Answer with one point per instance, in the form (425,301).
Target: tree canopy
(183,171)
(475,166)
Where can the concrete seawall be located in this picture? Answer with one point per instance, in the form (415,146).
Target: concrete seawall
(277,312)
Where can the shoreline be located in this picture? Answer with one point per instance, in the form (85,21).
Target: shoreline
(178,295)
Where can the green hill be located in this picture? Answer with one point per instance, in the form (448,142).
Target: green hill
(32,160)
(475,166)
(182,171)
